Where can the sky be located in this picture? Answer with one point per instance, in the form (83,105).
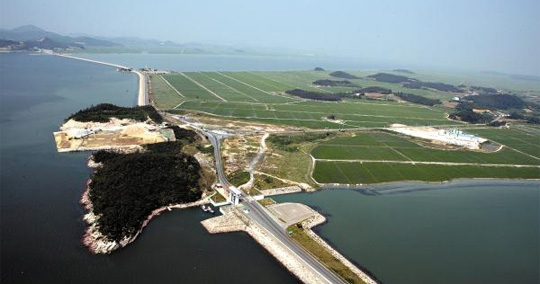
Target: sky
(495,35)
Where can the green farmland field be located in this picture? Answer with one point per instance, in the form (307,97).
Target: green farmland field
(373,157)
(390,147)
(365,173)
(365,157)
(261,97)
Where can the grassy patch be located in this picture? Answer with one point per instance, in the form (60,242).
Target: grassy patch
(163,96)
(267,182)
(238,178)
(218,198)
(301,237)
(267,201)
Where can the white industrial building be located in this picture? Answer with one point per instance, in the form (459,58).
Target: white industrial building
(451,136)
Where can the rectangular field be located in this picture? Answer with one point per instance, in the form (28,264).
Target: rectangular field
(366,173)
(261,96)
(390,147)
(163,95)
(190,89)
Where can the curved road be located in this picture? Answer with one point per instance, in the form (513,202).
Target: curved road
(259,215)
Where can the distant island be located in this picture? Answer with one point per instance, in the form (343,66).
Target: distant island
(403,71)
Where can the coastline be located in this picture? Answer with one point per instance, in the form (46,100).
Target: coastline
(96,242)
(142,93)
(233,221)
(414,185)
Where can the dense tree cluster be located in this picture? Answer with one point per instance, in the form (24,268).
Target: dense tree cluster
(289,142)
(533,119)
(316,96)
(417,99)
(344,75)
(406,71)
(334,83)
(413,83)
(389,78)
(104,112)
(464,112)
(432,85)
(184,134)
(128,187)
(498,101)
(374,89)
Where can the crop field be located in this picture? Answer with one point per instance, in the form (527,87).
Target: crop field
(371,157)
(390,147)
(259,96)
(310,113)
(519,139)
(167,98)
(365,173)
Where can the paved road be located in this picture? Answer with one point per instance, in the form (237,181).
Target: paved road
(259,215)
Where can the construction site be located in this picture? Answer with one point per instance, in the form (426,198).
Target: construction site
(124,133)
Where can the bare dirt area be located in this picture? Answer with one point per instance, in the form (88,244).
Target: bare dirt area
(238,152)
(231,125)
(125,133)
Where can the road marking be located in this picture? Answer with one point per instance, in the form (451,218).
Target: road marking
(179,104)
(172,87)
(200,85)
(230,87)
(242,82)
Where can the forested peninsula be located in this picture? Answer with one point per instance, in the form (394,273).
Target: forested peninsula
(130,187)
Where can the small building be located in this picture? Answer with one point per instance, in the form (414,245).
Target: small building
(235,195)
(481,110)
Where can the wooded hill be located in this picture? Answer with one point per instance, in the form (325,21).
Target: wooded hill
(344,75)
(104,112)
(334,83)
(417,99)
(128,187)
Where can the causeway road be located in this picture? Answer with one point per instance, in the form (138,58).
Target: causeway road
(263,218)
(142,93)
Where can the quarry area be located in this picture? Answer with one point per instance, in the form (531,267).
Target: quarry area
(115,134)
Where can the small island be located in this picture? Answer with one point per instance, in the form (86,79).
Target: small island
(131,185)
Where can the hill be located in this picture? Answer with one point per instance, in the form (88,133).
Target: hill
(344,75)
(334,83)
(403,71)
(35,37)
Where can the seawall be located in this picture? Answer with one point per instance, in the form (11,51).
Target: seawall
(142,93)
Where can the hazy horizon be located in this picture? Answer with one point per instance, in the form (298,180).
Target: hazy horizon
(481,35)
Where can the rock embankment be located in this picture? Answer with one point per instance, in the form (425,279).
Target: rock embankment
(281,190)
(98,243)
(319,219)
(233,220)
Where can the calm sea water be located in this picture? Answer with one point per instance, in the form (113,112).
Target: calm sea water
(40,216)
(199,62)
(460,234)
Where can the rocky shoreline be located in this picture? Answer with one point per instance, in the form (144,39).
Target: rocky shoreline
(98,243)
(234,221)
